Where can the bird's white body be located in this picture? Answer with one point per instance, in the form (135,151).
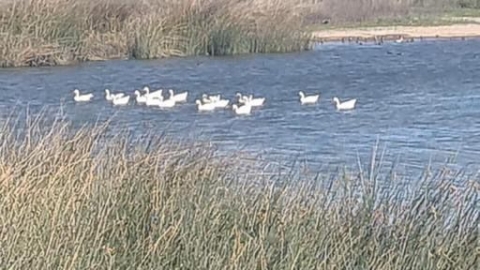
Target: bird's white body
(221,103)
(346,105)
(169,103)
(205,106)
(182,97)
(308,99)
(81,98)
(154,94)
(122,100)
(242,110)
(110,97)
(209,99)
(241,99)
(254,102)
(153,101)
(139,98)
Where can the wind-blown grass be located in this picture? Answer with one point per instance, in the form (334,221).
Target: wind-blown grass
(58,32)
(76,199)
(55,32)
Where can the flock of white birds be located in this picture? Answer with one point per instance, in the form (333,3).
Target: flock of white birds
(207,102)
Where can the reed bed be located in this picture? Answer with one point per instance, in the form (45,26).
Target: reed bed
(79,199)
(60,32)
(56,32)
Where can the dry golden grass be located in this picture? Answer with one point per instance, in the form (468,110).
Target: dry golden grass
(58,32)
(78,199)
(51,32)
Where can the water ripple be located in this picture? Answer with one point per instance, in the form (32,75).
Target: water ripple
(420,101)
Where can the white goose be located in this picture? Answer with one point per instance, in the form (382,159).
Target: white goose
(242,110)
(153,101)
(209,99)
(346,105)
(182,97)
(169,103)
(122,100)
(81,98)
(139,98)
(205,106)
(308,99)
(154,94)
(206,98)
(110,96)
(254,102)
(221,103)
(241,99)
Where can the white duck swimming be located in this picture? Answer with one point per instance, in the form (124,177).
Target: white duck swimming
(217,100)
(110,97)
(242,110)
(169,103)
(153,101)
(209,99)
(81,98)
(241,99)
(221,103)
(254,102)
(122,100)
(154,94)
(308,99)
(139,98)
(205,106)
(182,97)
(346,105)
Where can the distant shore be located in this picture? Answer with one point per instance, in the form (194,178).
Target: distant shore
(55,32)
(366,34)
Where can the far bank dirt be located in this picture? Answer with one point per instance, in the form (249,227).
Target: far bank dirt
(395,32)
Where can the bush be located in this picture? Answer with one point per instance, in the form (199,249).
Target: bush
(54,32)
(82,199)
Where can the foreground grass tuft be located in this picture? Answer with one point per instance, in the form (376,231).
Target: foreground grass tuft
(79,199)
(56,32)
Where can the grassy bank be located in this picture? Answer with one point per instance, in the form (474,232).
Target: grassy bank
(56,32)
(366,13)
(376,21)
(77,200)
(59,32)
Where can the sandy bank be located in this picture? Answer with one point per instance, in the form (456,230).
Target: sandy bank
(393,32)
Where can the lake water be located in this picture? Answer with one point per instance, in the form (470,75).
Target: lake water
(420,100)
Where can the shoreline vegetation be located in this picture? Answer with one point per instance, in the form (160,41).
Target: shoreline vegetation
(62,32)
(78,199)
(57,32)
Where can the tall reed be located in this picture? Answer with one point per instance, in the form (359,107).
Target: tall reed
(55,32)
(78,199)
